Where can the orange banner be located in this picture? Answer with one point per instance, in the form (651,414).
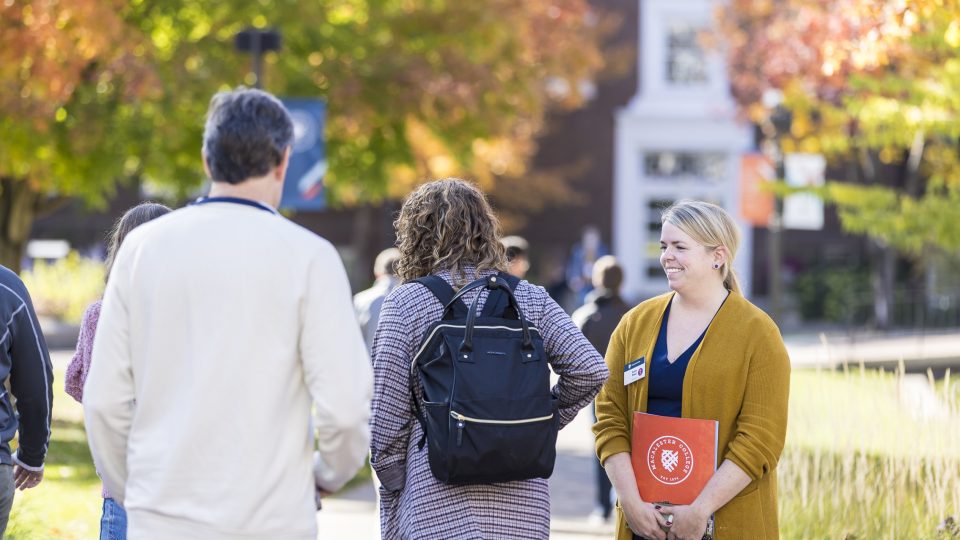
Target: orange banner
(756,203)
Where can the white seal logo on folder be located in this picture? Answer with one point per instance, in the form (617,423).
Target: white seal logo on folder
(670,460)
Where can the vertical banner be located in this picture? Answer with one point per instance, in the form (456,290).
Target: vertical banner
(804,210)
(756,203)
(303,188)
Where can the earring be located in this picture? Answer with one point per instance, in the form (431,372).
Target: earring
(716,266)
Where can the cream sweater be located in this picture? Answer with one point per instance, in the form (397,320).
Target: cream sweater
(222,326)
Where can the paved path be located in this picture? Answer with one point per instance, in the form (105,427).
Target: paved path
(353,514)
(571,494)
(938,350)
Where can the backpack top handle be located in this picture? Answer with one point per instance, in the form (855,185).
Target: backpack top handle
(493,283)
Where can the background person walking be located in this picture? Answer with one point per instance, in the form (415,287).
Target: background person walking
(597,319)
(368,302)
(25,362)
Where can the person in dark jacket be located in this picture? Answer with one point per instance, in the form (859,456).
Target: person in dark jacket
(597,319)
(25,362)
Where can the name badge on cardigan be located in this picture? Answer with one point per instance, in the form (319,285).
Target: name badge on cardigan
(634,371)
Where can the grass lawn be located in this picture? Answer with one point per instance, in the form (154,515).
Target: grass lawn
(66,505)
(868,455)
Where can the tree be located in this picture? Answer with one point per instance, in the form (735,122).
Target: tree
(872,84)
(73,56)
(416,89)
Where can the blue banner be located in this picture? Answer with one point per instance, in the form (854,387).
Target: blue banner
(303,188)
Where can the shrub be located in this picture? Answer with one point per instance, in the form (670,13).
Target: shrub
(834,294)
(64,288)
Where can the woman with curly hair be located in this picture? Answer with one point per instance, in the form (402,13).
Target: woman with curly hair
(446,228)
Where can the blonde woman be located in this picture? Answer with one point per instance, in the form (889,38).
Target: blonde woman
(709,353)
(446,228)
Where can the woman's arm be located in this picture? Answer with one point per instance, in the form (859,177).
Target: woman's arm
(642,517)
(761,426)
(391,420)
(614,414)
(760,431)
(80,363)
(691,521)
(613,442)
(579,365)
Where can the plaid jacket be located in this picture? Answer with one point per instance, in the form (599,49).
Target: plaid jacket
(414,505)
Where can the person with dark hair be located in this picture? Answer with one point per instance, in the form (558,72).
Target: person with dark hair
(446,228)
(597,319)
(25,365)
(223,326)
(517,250)
(367,303)
(113,521)
(580,265)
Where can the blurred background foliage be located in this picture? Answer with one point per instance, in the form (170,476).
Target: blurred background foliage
(869,84)
(63,289)
(96,92)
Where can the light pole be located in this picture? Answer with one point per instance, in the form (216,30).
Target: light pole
(257,42)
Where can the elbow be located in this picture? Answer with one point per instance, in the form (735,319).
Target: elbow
(597,379)
(601,375)
(354,419)
(349,424)
(755,462)
(73,389)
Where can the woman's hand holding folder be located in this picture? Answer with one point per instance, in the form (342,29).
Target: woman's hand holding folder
(642,517)
(645,521)
(688,523)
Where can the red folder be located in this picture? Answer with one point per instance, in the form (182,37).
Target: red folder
(673,458)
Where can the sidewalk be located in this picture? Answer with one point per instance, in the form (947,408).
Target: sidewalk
(353,514)
(937,350)
(571,495)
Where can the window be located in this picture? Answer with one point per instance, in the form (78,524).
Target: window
(686,61)
(655,209)
(710,166)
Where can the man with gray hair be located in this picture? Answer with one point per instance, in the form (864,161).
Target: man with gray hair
(222,326)
(367,303)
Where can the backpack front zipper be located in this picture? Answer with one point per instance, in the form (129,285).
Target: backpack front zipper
(461,422)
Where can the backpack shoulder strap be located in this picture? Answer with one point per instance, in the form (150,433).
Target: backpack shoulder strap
(444,293)
(498,303)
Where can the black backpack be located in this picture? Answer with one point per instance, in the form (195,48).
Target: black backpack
(487,413)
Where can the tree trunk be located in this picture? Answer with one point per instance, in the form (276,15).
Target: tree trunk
(883,267)
(881,256)
(914,188)
(360,242)
(18,209)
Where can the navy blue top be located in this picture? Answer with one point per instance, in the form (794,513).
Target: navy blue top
(666,380)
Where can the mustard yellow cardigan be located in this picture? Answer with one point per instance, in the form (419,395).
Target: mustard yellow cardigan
(739,375)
